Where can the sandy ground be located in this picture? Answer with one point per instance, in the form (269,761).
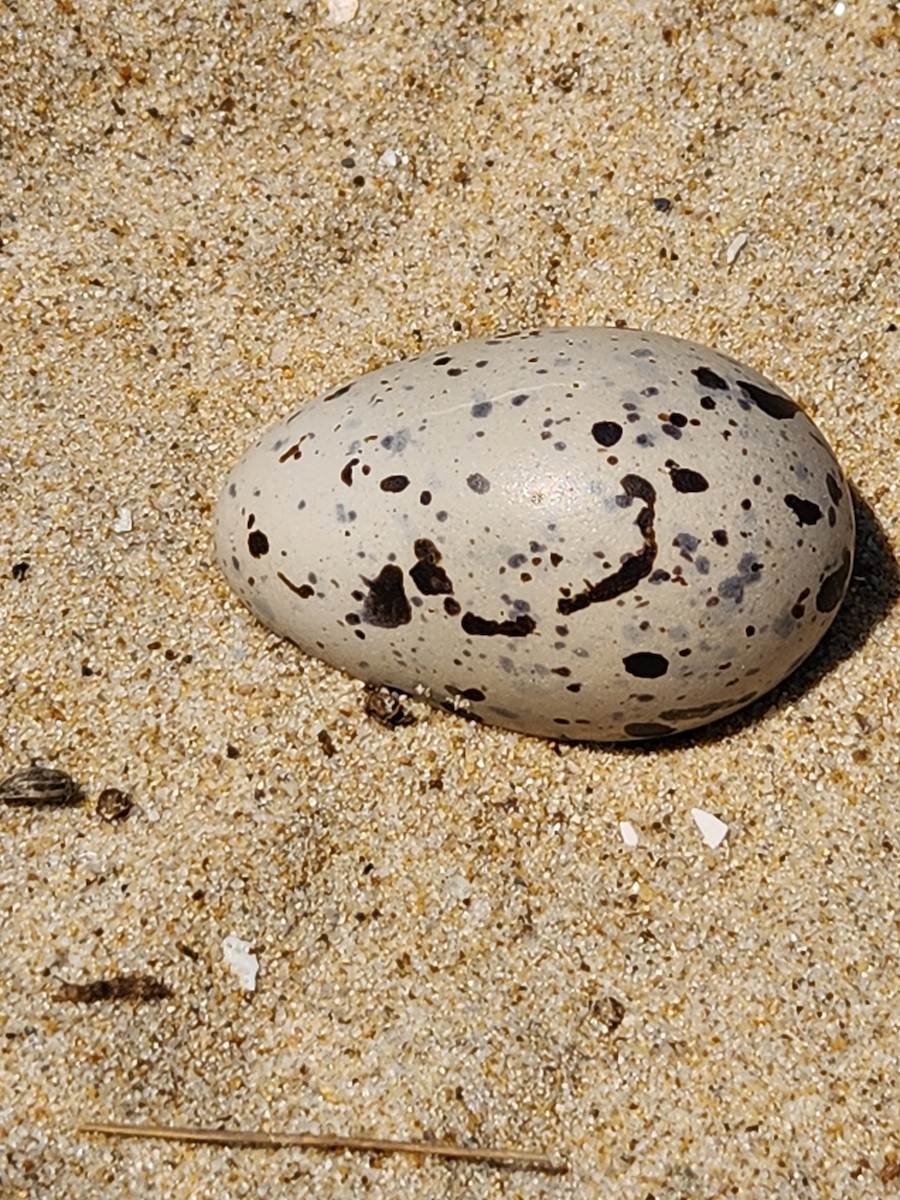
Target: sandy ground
(210,211)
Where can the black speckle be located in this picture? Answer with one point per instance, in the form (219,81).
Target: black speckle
(520,399)
(521,626)
(347,472)
(709,379)
(648,729)
(686,480)
(478,483)
(303,590)
(704,710)
(425,498)
(482,409)
(394,483)
(606,433)
(473,694)
(832,587)
(834,489)
(708,403)
(634,568)
(442,361)
(770,403)
(341,391)
(452,607)
(720,537)
(430,578)
(258,543)
(386,605)
(646,665)
(805,511)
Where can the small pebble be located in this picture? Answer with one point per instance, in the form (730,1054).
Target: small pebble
(114,805)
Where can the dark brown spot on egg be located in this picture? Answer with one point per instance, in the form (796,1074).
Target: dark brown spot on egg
(685,480)
(341,391)
(832,586)
(773,405)
(520,626)
(806,512)
(303,590)
(709,379)
(645,665)
(394,483)
(430,578)
(386,605)
(473,695)
(258,543)
(648,729)
(606,433)
(635,568)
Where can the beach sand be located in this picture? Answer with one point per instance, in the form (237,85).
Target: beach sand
(209,212)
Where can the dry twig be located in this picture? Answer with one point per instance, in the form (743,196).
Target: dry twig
(524,1159)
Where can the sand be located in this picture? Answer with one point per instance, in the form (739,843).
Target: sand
(209,212)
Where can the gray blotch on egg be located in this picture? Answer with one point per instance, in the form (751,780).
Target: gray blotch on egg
(596,534)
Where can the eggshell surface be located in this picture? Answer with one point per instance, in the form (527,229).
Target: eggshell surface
(587,534)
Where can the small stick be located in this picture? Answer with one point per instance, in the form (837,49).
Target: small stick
(526,1159)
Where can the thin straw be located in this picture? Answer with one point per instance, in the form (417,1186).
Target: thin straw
(525,1159)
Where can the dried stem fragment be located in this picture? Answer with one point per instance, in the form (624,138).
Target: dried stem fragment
(501,1156)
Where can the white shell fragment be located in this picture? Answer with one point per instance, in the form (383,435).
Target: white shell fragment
(628,834)
(712,830)
(237,956)
(585,534)
(735,246)
(123,521)
(341,11)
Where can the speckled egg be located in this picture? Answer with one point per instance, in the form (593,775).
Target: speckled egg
(594,534)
